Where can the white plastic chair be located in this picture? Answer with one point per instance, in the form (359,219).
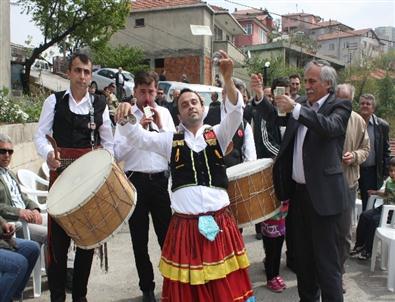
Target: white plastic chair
(28,181)
(385,233)
(45,169)
(39,267)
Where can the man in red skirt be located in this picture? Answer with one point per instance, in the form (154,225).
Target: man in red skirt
(203,257)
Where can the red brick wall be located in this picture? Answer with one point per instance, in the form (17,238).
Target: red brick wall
(175,67)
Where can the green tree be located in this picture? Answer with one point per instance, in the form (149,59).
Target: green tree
(278,68)
(130,58)
(85,22)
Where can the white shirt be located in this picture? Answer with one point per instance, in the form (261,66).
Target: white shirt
(138,160)
(47,118)
(13,187)
(248,149)
(297,164)
(191,199)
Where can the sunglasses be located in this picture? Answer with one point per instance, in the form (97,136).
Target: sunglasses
(4,151)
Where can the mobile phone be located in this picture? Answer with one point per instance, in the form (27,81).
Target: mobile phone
(279,91)
(148,112)
(216,57)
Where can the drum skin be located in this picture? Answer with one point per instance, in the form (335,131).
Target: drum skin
(98,218)
(252,196)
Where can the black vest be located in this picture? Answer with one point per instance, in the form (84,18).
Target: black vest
(71,130)
(205,168)
(236,155)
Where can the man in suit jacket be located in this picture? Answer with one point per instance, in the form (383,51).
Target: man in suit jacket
(15,205)
(375,168)
(309,172)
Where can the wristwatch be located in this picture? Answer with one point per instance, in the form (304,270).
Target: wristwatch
(128,119)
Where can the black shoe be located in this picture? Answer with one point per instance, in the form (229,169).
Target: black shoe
(356,250)
(364,255)
(258,236)
(148,296)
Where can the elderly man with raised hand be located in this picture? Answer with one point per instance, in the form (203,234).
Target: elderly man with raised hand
(309,172)
(203,257)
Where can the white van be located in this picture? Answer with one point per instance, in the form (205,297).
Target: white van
(204,90)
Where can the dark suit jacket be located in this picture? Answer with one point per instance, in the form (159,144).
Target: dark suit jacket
(382,148)
(322,156)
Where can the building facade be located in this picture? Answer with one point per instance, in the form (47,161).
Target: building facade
(5,49)
(163,30)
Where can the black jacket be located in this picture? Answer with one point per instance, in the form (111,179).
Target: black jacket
(322,156)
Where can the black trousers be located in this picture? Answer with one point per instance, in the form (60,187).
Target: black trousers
(57,269)
(317,241)
(153,198)
(367,224)
(367,181)
(290,237)
(272,247)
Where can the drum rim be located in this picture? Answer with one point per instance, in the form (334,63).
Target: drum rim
(116,231)
(258,220)
(83,203)
(269,161)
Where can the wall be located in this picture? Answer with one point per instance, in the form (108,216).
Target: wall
(5,49)
(25,155)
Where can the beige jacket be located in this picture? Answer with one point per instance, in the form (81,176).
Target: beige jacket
(356,142)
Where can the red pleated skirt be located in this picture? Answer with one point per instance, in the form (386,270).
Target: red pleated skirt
(196,269)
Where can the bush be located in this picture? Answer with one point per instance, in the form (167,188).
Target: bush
(11,111)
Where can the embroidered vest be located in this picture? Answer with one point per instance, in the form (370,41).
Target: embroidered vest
(71,130)
(204,168)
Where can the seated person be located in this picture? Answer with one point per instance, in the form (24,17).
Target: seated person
(15,205)
(17,260)
(370,219)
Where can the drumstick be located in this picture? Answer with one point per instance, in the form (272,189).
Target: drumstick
(52,141)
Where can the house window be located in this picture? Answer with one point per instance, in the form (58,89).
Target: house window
(159,63)
(332,46)
(263,36)
(248,28)
(139,22)
(217,33)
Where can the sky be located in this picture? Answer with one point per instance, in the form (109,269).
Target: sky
(355,13)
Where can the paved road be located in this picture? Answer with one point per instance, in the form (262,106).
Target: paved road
(50,80)
(120,284)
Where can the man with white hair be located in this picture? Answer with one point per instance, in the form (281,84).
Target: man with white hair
(355,151)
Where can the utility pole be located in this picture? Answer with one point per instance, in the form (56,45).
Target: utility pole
(5,42)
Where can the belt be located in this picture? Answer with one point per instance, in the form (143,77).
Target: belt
(150,176)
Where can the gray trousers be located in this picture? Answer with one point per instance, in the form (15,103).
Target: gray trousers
(345,228)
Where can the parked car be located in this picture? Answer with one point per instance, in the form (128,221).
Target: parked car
(41,65)
(204,90)
(103,77)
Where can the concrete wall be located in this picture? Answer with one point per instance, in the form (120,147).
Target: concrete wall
(25,155)
(5,48)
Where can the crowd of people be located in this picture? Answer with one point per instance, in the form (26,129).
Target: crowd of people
(323,153)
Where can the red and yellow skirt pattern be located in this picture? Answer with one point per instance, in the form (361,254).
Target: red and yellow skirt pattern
(196,269)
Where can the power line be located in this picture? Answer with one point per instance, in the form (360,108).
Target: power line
(296,19)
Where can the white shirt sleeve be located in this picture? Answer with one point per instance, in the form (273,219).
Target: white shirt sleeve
(228,126)
(45,127)
(160,143)
(249,151)
(296,111)
(105,132)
